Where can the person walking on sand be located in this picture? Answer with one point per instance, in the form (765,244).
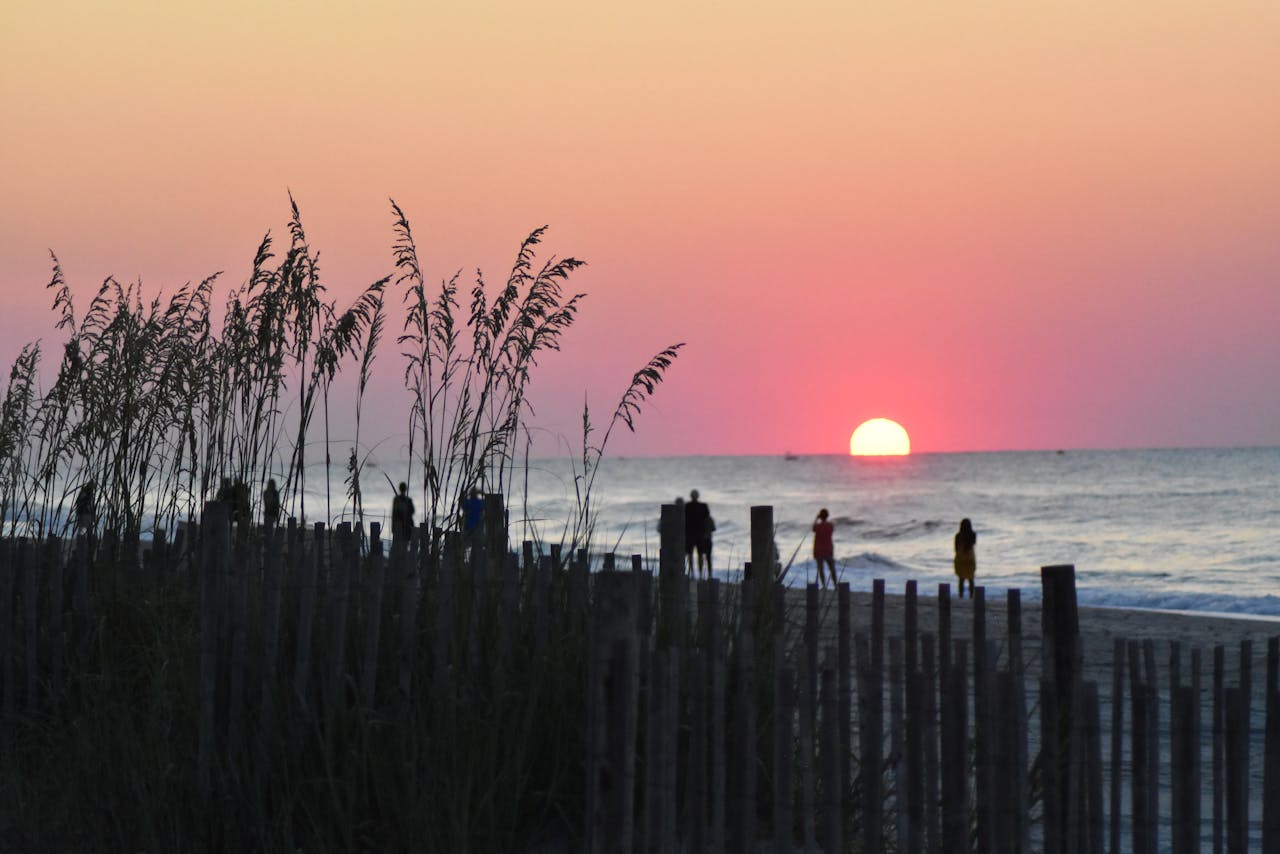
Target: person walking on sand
(698,526)
(966,563)
(402,516)
(85,509)
(473,517)
(823,548)
(271,504)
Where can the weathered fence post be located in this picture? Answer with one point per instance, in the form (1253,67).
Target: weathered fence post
(1117,742)
(670,573)
(898,741)
(216,539)
(783,746)
(955,755)
(8,568)
(833,811)
(929,733)
(1271,752)
(982,687)
(1060,625)
(376,576)
(612,712)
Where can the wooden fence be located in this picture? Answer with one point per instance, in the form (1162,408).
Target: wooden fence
(680,716)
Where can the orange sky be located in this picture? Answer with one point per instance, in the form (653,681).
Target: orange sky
(1003,225)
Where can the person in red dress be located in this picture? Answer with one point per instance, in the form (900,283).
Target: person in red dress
(823,548)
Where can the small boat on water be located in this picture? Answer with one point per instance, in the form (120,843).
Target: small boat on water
(790,456)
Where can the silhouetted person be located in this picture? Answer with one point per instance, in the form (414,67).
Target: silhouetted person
(472,511)
(679,502)
(824,550)
(271,504)
(966,562)
(402,516)
(472,517)
(240,502)
(698,526)
(85,509)
(226,492)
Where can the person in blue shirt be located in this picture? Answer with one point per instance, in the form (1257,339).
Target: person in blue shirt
(472,511)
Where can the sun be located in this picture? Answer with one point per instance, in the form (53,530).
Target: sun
(879,437)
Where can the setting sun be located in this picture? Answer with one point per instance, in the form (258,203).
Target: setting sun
(879,437)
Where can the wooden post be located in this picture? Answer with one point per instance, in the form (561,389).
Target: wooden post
(870,746)
(1139,762)
(1237,746)
(910,628)
(1001,753)
(877,629)
(8,570)
(655,753)
(955,756)
(611,764)
(1219,746)
(808,800)
(1051,782)
(897,741)
(80,596)
(311,569)
(670,572)
(373,617)
(216,539)
(1021,830)
(981,719)
(811,618)
(1238,760)
(1093,767)
(1153,747)
(1060,626)
(696,757)
(914,746)
(1117,741)
(763,557)
(745,741)
(719,781)
(274,582)
(404,569)
(929,733)
(53,565)
(845,686)
(340,575)
(1194,773)
(238,578)
(783,747)
(944,636)
(30,601)
(1271,751)
(833,808)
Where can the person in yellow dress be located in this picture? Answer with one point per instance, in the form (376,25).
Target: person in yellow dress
(966,563)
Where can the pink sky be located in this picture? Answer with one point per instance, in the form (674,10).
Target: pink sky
(1002,225)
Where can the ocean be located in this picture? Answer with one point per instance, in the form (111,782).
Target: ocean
(1176,529)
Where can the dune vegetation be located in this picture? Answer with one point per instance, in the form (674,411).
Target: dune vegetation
(157,399)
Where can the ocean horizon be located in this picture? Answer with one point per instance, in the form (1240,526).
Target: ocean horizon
(1185,529)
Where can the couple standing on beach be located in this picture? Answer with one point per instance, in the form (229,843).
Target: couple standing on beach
(966,563)
(698,526)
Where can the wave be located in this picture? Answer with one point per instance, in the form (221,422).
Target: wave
(901,530)
(1217,603)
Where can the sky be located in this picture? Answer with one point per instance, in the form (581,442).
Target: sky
(1004,225)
